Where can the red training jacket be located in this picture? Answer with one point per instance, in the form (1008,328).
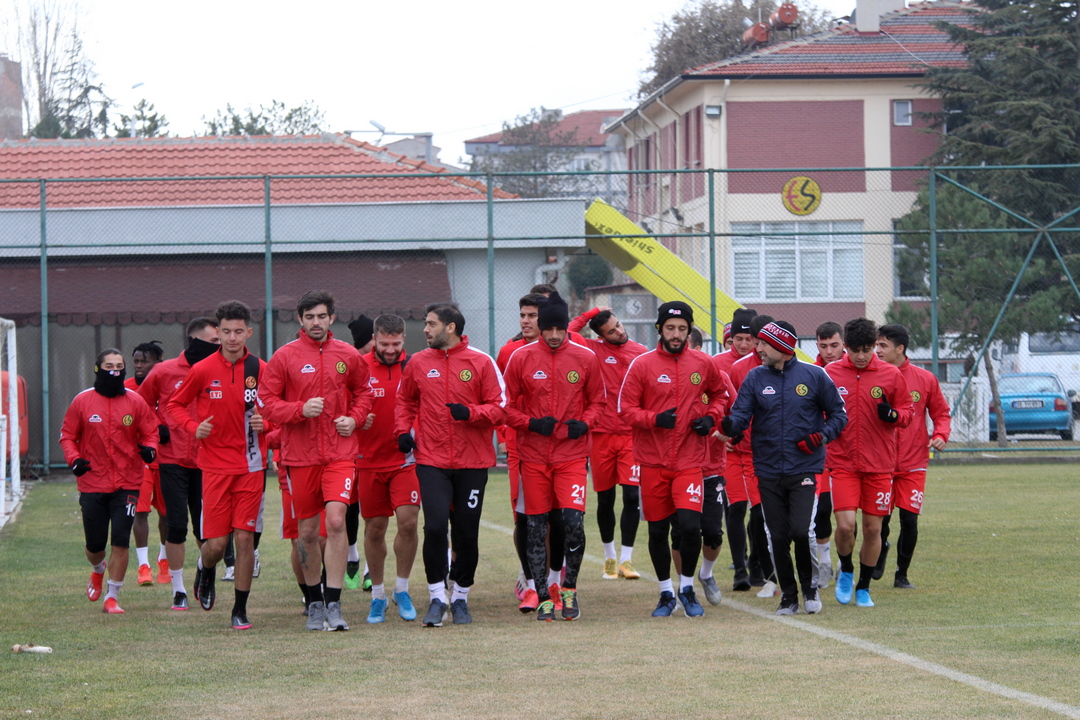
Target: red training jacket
(378,444)
(107,433)
(157,388)
(926,396)
(868,443)
(717,460)
(614,360)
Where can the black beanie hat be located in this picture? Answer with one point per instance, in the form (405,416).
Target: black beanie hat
(674,309)
(553,312)
(363,329)
(740,321)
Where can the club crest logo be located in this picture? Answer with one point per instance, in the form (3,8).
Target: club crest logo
(250,382)
(307,369)
(465,375)
(433,373)
(876,392)
(127,420)
(610,360)
(572,377)
(663,379)
(341,367)
(539,375)
(916,396)
(695,378)
(768,390)
(801,390)
(704,398)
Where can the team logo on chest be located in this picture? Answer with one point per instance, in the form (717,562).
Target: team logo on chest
(663,379)
(94,418)
(572,377)
(842,390)
(308,368)
(610,360)
(215,383)
(250,382)
(695,378)
(539,375)
(341,367)
(876,392)
(465,375)
(704,398)
(433,373)
(801,390)
(127,420)
(916,396)
(768,390)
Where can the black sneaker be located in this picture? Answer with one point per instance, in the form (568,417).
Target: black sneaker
(570,609)
(546,611)
(901,581)
(690,603)
(436,614)
(879,569)
(460,610)
(240,621)
(666,606)
(742,581)
(788,606)
(198,581)
(206,592)
(179,601)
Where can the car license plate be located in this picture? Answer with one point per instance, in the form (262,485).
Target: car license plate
(1027,404)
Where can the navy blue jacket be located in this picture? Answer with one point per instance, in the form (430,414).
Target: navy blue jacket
(786,405)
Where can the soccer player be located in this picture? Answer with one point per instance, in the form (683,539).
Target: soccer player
(727,337)
(143,359)
(181,479)
(363,332)
(714,503)
(796,409)
(317,388)
(830,345)
(672,399)
(232,455)
(612,458)
(108,435)
(554,395)
(863,458)
(452,396)
(909,481)
(386,485)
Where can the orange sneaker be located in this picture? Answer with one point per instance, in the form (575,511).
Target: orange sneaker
(145,576)
(163,575)
(530,602)
(556,595)
(93,588)
(111,608)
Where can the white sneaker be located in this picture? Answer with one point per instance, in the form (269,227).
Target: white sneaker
(768,591)
(257,568)
(230,573)
(825,574)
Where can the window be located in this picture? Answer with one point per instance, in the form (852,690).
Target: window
(1066,341)
(910,277)
(901,112)
(797,261)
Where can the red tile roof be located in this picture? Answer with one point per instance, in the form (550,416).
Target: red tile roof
(203,157)
(906,46)
(587,124)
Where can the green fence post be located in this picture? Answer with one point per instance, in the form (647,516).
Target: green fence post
(933,275)
(491,264)
(44,264)
(268,265)
(712,261)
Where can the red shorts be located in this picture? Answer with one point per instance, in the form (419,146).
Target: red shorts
(824,483)
(150,492)
(663,491)
(907,493)
(612,461)
(382,492)
(742,483)
(513,470)
(312,486)
(231,502)
(869,492)
(547,487)
(289,527)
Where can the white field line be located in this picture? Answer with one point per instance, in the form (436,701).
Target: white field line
(1060,708)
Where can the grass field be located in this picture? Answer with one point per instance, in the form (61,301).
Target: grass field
(998,595)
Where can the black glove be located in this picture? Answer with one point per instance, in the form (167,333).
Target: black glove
(147,454)
(726,427)
(703,425)
(405,443)
(576,428)
(80,467)
(458,411)
(810,443)
(886,412)
(666,419)
(735,439)
(542,426)
(163,435)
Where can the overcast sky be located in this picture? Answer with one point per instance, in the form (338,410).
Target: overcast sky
(457,69)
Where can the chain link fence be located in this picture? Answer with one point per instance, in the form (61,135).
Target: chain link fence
(88,264)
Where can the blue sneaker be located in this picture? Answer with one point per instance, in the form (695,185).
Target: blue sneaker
(862,599)
(690,603)
(378,611)
(404,605)
(666,606)
(844,585)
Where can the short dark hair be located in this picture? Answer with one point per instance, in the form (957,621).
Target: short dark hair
(860,333)
(313,298)
(543,289)
(233,310)
(827,329)
(530,300)
(152,348)
(758,322)
(695,338)
(107,351)
(389,325)
(896,334)
(448,312)
(199,323)
(599,320)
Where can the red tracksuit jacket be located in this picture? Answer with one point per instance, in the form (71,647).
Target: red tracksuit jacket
(157,388)
(914,440)
(868,443)
(107,432)
(378,448)
(614,360)
(717,462)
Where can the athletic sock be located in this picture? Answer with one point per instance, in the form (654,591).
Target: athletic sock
(665,586)
(378,592)
(313,593)
(240,601)
(460,593)
(626,552)
(845,563)
(866,573)
(401,585)
(531,584)
(365,565)
(554,576)
(332,595)
(161,553)
(114,589)
(823,550)
(99,568)
(198,562)
(706,568)
(354,554)
(609,551)
(178,580)
(143,554)
(685,581)
(437,591)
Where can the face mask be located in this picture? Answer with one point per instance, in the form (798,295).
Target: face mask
(109,383)
(199,350)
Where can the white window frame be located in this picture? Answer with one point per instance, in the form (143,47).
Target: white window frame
(902,118)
